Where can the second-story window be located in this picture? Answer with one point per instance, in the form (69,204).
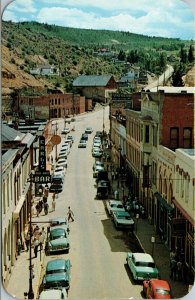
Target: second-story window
(187,137)
(174,137)
(147,134)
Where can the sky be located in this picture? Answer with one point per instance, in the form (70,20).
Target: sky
(165,18)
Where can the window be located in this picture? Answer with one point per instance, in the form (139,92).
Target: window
(187,137)
(147,134)
(174,137)
(154,136)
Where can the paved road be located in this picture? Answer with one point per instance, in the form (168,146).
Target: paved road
(97,251)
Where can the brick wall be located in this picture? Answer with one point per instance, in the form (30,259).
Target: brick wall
(177,111)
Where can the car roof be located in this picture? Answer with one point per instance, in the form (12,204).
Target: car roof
(58,219)
(50,294)
(143,256)
(55,264)
(159,283)
(114,202)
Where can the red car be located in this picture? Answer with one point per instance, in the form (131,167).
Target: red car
(156,289)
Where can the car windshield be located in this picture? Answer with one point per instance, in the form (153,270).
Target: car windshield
(57,234)
(60,283)
(145,264)
(162,292)
(56,271)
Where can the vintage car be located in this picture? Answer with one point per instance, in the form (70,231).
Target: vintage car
(57,274)
(57,240)
(53,294)
(97,152)
(88,130)
(142,266)
(103,188)
(114,205)
(65,130)
(98,163)
(97,169)
(156,289)
(82,144)
(58,221)
(123,220)
(56,188)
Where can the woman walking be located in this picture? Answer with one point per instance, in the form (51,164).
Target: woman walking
(70,215)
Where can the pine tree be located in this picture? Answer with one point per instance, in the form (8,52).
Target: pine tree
(177,79)
(190,54)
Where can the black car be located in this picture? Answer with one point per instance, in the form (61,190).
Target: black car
(84,136)
(58,179)
(56,188)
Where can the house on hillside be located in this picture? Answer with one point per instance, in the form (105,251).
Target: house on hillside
(45,70)
(96,87)
(130,79)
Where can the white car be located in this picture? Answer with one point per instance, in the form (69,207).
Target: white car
(82,144)
(98,163)
(62,162)
(97,144)
(65,131)
(59,293)
(97,139)
(96,171)
(114,205)
(60,171)
(97,152)
(66,147)
(63,154)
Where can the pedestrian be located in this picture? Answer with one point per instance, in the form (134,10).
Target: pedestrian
(172,254)
(70,214)
(41,240)
(27,240)
(53,204)
(116,195)
(173,267)
(36,245)
(19,245)
(43,233)
(179,270)
(46,208)
(37,209)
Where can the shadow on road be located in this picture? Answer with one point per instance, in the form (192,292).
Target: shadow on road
(119,240)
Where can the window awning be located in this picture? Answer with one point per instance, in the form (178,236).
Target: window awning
(163,202)
(16,212)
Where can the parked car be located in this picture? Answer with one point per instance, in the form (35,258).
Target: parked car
(142,266)
(97,152)
(102,175)
(66,146)
(57,240)
(58,221)
(88,130)
(103,188)
(82,144)
(98,163)
(96,139)
(114,205)
(62,162)
(99,133)
(70,138)
(98,168)
(97,145)
(62,155)
(84,136)
(122,219)
(56,188)
(54,294)
(65,131)
(59,170)
(156,289)
(57,274)
(57,179)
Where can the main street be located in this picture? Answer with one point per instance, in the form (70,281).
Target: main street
(98,250)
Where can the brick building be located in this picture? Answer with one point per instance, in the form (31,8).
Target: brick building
(52,105)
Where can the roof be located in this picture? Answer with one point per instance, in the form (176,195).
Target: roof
(173,89)
(92,80)
(8,156)
(143,256)
(10,134)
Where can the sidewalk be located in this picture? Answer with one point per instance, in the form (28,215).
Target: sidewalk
(144,232)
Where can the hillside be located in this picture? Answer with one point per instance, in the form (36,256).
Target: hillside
(76,51)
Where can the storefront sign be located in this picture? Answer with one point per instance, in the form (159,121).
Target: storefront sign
(42,156)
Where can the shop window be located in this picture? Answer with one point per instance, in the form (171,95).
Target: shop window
(174,137)
(187,137)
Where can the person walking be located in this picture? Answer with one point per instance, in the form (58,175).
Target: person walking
(179,270)
(46,208)
(38,209)
(27,240)
(36,245)
(70,215)
(173,266)
(19,245)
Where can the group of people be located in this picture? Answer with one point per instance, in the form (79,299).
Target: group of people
(42,204)
(176,266)
(38,239)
